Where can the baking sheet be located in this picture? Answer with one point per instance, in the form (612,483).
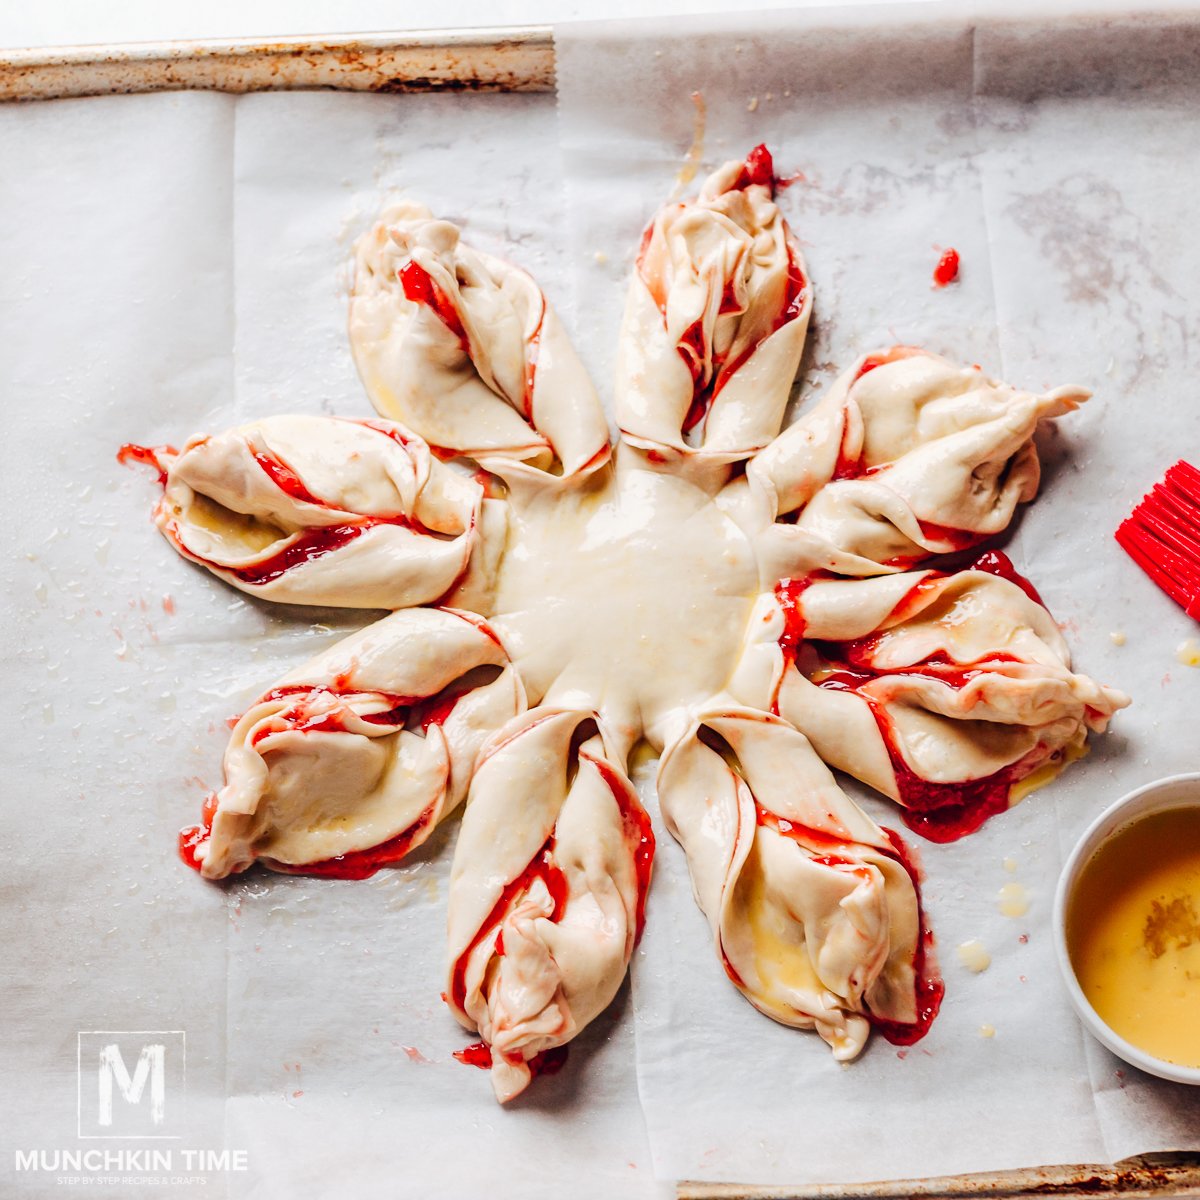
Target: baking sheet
(1049,155)
(176,263)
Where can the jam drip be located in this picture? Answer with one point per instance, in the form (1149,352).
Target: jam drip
(929,986)
(991,562)
(288,482)
(939,812)
(895,354)
(544,1062)
(420,288)
(996,562)
(149,456)
(759,168)
(284,478)
(308,547)
(362,864)
(193,836)
(788,593)
(930,989)
(639,836)
(812,839)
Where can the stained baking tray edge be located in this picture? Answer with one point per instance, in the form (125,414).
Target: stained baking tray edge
(514,59)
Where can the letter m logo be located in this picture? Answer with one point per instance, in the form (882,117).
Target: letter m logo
(149,1066)
(116,1101)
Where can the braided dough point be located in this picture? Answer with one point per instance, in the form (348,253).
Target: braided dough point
(464,348)
(357,755)
(715,321)
(814,914)
(319,510)
(906,456)
(547,890)
(921,683)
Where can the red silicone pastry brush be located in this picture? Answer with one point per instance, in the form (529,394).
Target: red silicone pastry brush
(1162,535)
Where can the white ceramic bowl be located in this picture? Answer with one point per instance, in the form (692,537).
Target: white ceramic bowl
(1176,791)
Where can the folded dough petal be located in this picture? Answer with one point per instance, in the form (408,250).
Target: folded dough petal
(318,510)
(951,693)
(350,761)
(547,890)
(464,348)
(715,320)
(814,909)
(906,456)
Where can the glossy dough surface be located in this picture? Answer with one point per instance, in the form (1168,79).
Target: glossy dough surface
(814,916)
(715,321)
(370,743)
(318,510)
(925,678)
(465,349)
(743,600)
(547,889)
(906,456)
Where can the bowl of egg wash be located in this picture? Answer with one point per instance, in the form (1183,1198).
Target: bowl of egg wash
(1127,927)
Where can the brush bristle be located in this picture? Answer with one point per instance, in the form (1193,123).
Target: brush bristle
(1162,535)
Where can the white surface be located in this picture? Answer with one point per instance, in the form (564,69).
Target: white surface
(174,263)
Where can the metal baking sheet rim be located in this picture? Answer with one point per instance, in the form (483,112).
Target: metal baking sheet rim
(513,59)
(510,59)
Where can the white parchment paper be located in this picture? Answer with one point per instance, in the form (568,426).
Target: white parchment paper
(178,263)
(175,264)
(1051,156)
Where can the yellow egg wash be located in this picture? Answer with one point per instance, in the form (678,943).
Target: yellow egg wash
(1133,931)
(780,954)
